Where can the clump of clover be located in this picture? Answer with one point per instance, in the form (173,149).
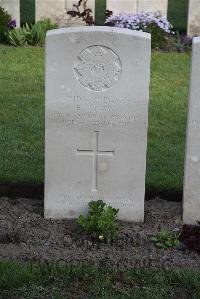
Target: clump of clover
(80,10)
(165,239)
(100,222)
(159,27)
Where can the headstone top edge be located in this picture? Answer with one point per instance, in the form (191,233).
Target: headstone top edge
(99,29)
(196,40)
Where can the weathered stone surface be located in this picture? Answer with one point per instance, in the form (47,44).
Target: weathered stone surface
(97,91)
(191,208)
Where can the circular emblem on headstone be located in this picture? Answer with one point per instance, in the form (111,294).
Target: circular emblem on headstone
(97,68)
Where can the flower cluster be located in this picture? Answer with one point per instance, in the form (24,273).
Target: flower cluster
(12,24)
(139,21)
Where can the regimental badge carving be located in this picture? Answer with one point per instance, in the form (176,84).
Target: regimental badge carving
(97,68)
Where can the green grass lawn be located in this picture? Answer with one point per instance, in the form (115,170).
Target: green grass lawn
(34,280)
(22,118)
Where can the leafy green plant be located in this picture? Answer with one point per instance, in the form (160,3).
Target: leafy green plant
(30,34)
(20,36)
(166,239)
(183,42)
(158,36)
(100,222)
(38,32)
(5,18)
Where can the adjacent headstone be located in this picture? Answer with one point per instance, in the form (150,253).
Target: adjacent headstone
(191,205)
(135,6)
(194,18)
(13,8)
(57,11)
(97,92)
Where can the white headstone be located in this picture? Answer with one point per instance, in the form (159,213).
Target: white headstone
(13,8)
(57,11)
(191,205)
(135,6)
(97,92)
(194,18)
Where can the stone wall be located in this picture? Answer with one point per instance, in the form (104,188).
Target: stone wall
(194,18)
(153,5)
(118,6)
(134,6)
(56,10)
(13,8)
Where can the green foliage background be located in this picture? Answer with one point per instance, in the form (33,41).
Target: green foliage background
(27,11)
(100,11)
(178,14)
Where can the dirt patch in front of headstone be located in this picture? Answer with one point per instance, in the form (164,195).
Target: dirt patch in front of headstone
(26,235)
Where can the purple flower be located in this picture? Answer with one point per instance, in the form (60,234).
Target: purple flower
(185,39)
(139,21)
(12,24)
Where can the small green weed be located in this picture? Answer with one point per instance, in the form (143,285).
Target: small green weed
(166,239)
(100,222)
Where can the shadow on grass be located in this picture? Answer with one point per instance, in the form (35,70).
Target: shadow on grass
(36,191)
(15,190)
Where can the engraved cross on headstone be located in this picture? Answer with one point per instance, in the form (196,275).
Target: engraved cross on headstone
(95,153)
